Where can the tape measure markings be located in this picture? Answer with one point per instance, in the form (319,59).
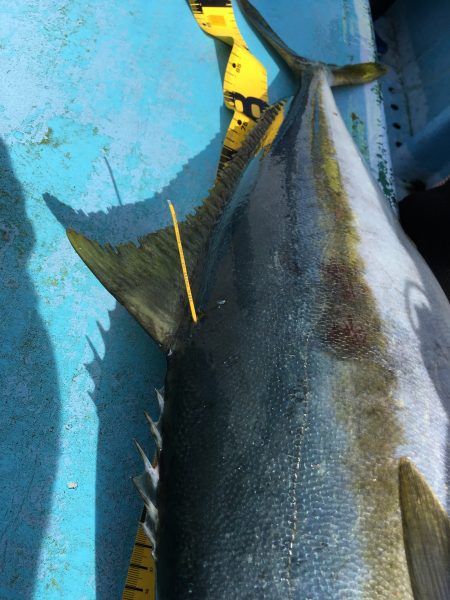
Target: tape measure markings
(141,578)
(245,82)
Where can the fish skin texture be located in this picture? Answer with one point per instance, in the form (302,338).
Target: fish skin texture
(289,405)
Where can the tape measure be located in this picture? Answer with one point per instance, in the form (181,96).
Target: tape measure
(245,88)
(141,579)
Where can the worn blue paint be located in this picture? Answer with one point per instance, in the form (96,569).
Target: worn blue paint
(417,91)
(106,110)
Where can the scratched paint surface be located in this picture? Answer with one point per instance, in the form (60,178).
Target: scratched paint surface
(106,110)
(417,92)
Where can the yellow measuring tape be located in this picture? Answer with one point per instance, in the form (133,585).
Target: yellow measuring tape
(141,579)
(245,84)
(246,93)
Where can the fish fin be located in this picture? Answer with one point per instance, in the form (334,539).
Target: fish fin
(147,279)
(339,75)
(426,532)
(149,528)
(151,471)
(356,74)
(160,398)
(155,431)
(145,488)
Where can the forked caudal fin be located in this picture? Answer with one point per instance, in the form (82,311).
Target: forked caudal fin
(147,279)
(426,533)
(339,75)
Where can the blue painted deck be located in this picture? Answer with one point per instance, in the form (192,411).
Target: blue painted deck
(106,110)
(417,90)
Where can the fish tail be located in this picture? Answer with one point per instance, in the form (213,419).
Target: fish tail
(147,278)
(351,74)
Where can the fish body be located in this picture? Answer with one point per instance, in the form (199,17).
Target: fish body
(320,360)
(288,406)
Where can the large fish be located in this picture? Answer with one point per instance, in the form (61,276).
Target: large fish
(320,362)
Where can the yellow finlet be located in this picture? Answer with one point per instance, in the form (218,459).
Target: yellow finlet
(183,262)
